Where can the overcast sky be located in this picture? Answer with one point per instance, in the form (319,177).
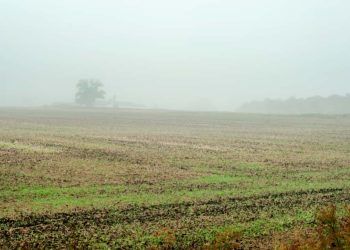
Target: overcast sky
(205,54)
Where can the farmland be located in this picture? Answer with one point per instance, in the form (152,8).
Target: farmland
(141,179)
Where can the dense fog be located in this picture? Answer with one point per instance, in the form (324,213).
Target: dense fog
(185,54)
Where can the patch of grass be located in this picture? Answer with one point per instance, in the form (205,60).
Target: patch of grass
(27,147)
(219,179)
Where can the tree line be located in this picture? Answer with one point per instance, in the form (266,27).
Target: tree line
(335,104)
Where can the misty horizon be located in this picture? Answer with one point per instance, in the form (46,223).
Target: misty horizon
(185,55)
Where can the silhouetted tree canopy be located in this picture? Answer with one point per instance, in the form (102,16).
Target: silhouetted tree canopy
(88,91)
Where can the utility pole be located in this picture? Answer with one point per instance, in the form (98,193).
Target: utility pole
(114,102)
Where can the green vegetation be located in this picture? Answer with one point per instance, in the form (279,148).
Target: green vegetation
(332,231)
(154,179)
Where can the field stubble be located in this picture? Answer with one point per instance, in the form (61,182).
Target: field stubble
(161,179)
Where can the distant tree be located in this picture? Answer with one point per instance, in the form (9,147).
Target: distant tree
(88,91)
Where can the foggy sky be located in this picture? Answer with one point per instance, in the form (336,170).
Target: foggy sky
(183,54)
